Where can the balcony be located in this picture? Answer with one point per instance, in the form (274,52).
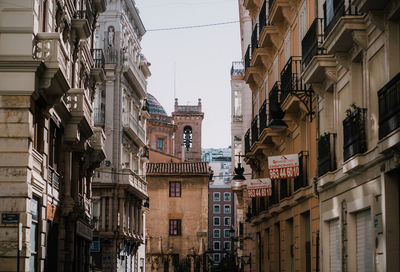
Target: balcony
(247,142)
(237,68)
(97,70)
(312,42)
(253,74)
(254,130)
(133,128)
(135,75)
(100,5)
(83,22)
(275,111)
(113,56)
(302,180)
(254,39)
(49,48)
(99,115)
(134,183)
(247,58)
(79,105)
(280,12)
(284,189)
(389,107)
(97,142)
(354,138)
(274,198)
(366,5)
(344,26)
(263,117)
(145,153)
(291,78)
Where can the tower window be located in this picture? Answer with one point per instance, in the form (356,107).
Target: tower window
(187,137)
(160,144)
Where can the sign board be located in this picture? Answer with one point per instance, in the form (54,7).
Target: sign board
(259,187)
(284,166)
(9,218)
(51,211)
(83,230)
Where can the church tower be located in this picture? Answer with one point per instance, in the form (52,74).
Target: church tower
(188,120)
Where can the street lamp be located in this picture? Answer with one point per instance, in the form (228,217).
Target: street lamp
(247,260)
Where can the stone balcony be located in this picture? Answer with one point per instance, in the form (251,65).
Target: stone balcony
(97,142)
(55,54)
(79,106)
(135,75)
(135,183)
(133,128)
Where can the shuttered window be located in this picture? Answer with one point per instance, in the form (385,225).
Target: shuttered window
(364,241)
(334,245)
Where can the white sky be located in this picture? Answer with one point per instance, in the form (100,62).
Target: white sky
(202,57)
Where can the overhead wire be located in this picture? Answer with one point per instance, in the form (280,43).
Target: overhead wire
(192,26)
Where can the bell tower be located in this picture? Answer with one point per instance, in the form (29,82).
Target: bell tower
(188,119)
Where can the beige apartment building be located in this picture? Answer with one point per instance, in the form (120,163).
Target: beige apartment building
(353,66)
(49,146)
(120,198)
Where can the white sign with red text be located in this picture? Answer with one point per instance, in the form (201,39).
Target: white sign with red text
(259,187)
(284,166)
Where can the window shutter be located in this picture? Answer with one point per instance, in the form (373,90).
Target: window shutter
(364,242)
(334,245)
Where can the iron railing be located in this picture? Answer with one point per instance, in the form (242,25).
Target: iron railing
(284,190)
(326,154)
(113,56)
(263,116)
(247,58)
(302,179)
(262,17)
(333,14)
(389,107)
(53,178)
(311,45)
(254,39)
(86,13)
(274,198)
(354,139)
(275,111)
(237,68)
(291,77)
(247,142)
(270,4)
(254,130)
(98,58)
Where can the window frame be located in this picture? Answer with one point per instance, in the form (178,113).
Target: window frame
(175,194)
(219,257)
(216,243)
(35,221)
(178,227)
(230,221)
(160,148)
(229,207)
(219,221)
(214,196)
(217,231)
(227,233)
(227,194)
(227,243)
(217,206)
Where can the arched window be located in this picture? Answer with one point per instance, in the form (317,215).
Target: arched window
(187,137)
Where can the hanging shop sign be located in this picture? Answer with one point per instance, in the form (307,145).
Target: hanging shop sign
(259,187)
(284,166)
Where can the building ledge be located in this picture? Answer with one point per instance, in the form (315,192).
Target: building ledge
(357,163)
(320,68)
(389,142)
(254,75)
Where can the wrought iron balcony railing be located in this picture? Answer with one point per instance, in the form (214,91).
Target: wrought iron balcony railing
(254,39)
(311,45)
(237,68)
(326,154)
(389,107)
(247,142)
(263,116)
(254,130)
(354,139)
(291,77)
(262,17)
(98,58)
(284,190)
(302,179)
(274,198)
(275,111)
(247,58)
(333,14)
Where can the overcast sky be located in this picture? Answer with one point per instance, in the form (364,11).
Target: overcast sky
(202,58)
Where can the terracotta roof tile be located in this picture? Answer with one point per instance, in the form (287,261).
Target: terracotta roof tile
(178,168)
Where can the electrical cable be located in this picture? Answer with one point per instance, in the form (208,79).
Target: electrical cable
(192,26)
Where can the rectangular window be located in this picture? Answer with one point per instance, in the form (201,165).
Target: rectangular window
(226,233)
(227,245)
(174,189)
(217,257)
(227,209)
(216,245)
(160,144)
(217,196)
(227,196)
(217,233)
(174,227)
(38,126)
(227,221)
(216,221)
(216,209)
(34,234)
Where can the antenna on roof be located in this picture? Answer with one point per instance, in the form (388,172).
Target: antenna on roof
(174,79)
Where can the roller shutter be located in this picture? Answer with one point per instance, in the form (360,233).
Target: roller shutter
(364,241)
(334,245)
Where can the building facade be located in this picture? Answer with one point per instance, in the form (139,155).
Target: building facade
(220,223)
(49,146)
(354,68)
(120,187)
(219,160)
(281,231)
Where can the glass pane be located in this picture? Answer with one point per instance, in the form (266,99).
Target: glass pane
(33,237)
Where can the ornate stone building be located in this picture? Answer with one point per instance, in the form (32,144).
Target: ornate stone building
(49,146)
(120,197)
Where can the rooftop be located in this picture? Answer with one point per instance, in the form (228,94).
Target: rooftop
(178,168)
